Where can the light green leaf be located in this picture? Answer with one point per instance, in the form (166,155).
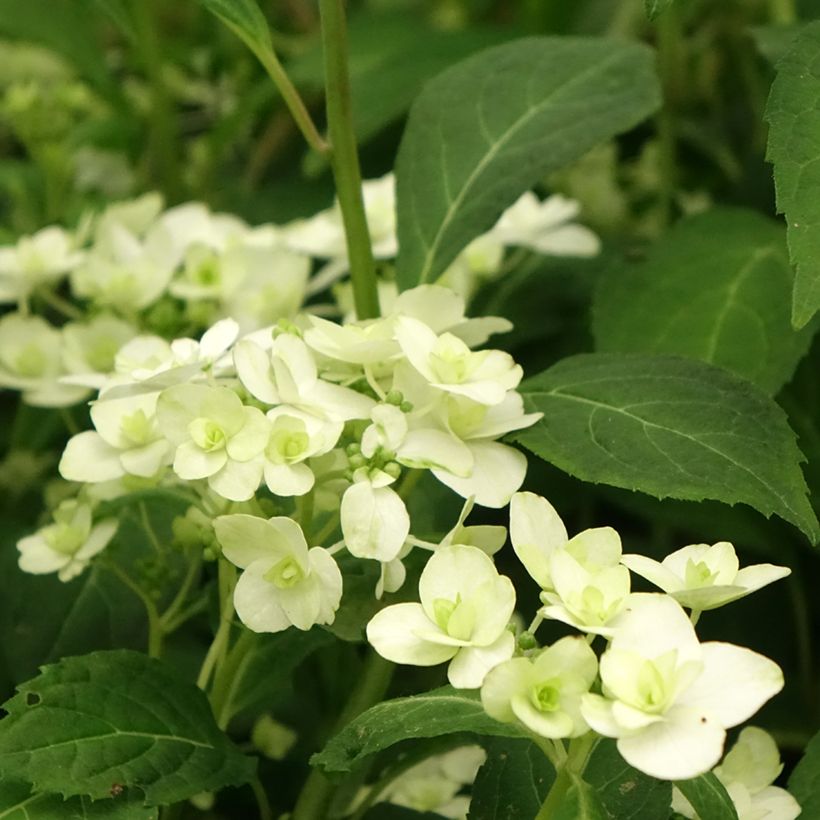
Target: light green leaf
(794,150)
(775,40)
(804,782)
(121,718)
(493,125)
(656,7)
(245,19)
(440,712)
(717,287)
(708,797)
(18,803)
(513,781)
(669,427)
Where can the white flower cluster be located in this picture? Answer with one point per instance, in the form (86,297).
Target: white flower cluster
(339,413)
(667,698)
(136,268)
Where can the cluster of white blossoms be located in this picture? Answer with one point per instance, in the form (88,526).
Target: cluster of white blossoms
(137,268)
(666,698)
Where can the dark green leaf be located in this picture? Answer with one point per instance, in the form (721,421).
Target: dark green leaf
(708,797)
(18,803)
(440,712)
(656,7)
(794,149)
(670,427)
(513,781)
(717,288)
(625,793)
(804,783)
(264,672)
(118,717)
(118,12)
(490,127)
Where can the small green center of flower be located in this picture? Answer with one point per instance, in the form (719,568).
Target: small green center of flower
(545,697)
(285,574)
(456,618)
(451,360)
(65,538)
(207,435)
(287,445)
(100,355)
(699,574)
(31,361)
(137,428)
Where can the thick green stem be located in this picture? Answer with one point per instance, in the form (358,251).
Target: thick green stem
(345,159)
(219,646)
(578,756)
(783,12)
(317,792)
(163,138)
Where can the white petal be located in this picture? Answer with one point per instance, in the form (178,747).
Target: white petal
(98,539)
(498,471)
(37,557)
(470,666)
(426,448)
(759,575)
(536,530)
(375,522)
(502,684)
(88,458)
(288,479)
(734,684)
(146,461)
(257,604)
(191,462)
(653,571)
(330,580)
(683,745)
(253,366)
(392,633)
(246,538)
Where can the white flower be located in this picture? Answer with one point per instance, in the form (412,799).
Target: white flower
(544,692)
(30,360)
(126,441)
(41,259)
(545,227)
(747,773)
(294,437)
(462,618)
(447,363)
(284,583)
(704,577)
(92,346)
(216,437)
(375,523)
(67,545)
(669,699)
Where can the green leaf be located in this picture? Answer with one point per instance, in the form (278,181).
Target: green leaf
(581,802)
(625,793)
(264,673)
(117,717)
(794,150)
(804,782)
(443,711)
(708,797)
(118,12)
(775,40)
(669,427)
(18,803)
(656,7)
(492,126)
(717,287)
(245,19)
(513,781)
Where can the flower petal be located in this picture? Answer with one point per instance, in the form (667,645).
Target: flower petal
(392,633)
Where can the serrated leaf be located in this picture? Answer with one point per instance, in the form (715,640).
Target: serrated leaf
(245,19)
(625,793)
(708,797)
(490,127)
(513,781)
(117,717)
(717,287)
(18,803)
(656,7)
(793,115)
(669,427)
(443,711)
(804,782)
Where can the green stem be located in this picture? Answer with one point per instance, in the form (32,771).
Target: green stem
(578,756)
(290,95)
(164,138)
(317,792)
(345,159)
(219,645)
(262,802)
(229,678)
(155,633)
(168,617)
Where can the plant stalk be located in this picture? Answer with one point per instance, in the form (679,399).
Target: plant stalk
(783,12)
(345,159)
(578,754)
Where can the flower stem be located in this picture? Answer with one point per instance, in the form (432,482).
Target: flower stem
(155,632)
(219,646)
(345,159)
(317,792)
(783,12)
(578,754)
